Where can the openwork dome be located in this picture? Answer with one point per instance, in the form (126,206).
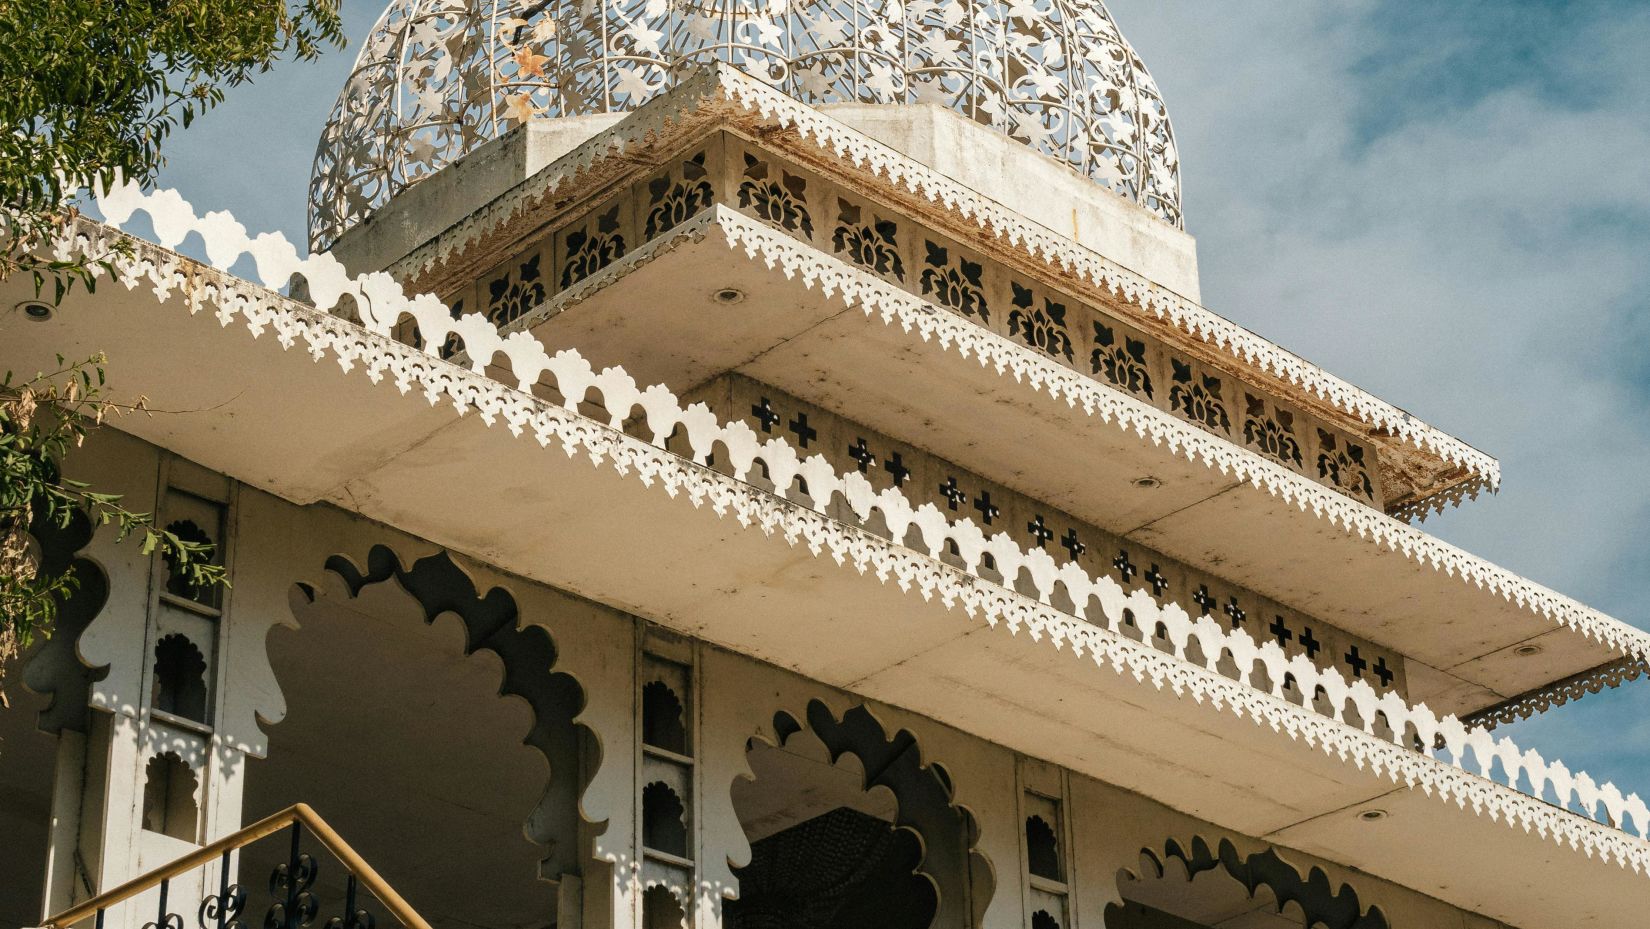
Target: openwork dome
(439,77)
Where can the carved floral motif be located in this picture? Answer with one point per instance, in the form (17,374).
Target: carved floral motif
(1042,328)
(672,201)
(589,250)
(872,245)
(781,200)
(1197,397)
(1271,434)
(517,290)
(955,283)
(1341,464)
(1123,364)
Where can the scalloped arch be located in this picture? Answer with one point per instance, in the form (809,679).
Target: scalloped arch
(527,655)
(923,796)
(1324,904)
(56,668)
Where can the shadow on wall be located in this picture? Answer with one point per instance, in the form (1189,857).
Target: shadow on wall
(848,828)
(396,734)
(1196,887)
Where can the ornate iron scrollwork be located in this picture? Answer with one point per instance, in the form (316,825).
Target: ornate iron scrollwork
(294,903)
(168,921)
(294,907)
(222,910)
(163,919)
(355,917)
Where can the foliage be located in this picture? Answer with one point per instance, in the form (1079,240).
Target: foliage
(90,89)
(41,419)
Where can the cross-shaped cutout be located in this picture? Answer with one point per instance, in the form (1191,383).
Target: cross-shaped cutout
(1383,672)
(1310,642)
(861,454)
(1124,566)
(1072,544)
(1356,662)
(1235,612)
(988,511)
(1155,578)
(765,414)
(897,470)
(952,493)
(804,432)
(1281,631)
(1205,602)
(1040,533)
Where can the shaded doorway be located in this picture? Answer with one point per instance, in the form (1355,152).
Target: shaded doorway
(825,852)
(850,826)
(410,729)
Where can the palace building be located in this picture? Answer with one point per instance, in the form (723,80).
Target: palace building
(765,464)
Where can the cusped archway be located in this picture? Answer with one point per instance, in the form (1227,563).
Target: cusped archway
(1199,886)
(395,732)
(849,826)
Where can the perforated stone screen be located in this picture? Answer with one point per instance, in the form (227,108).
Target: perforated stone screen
(436,78)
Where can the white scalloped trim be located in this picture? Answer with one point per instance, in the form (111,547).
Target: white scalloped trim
(729,85)
(1558,693)
(352,346)
(895,306)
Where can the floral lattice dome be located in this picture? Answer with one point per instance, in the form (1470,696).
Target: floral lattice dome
(439,77)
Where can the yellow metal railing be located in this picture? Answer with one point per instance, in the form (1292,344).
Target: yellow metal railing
(297,817)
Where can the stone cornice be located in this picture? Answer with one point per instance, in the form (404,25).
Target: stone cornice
(1033,371)
(720,97)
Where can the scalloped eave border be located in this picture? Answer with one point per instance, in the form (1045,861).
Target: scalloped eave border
(896,307)
(322,334)
(729,86)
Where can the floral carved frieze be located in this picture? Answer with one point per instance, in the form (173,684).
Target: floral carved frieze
(949,275)
(1437,470)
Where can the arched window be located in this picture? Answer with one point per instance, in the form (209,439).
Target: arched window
(664,828)
(850,827)
(169,805)
(661,910)
(180,678)
(663,725)
(177,577)
(1042,850)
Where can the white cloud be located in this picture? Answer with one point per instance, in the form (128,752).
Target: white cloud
(1479,259)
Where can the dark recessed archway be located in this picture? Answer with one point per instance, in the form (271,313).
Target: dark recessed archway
(850,828)
(1195,886)
(466,803)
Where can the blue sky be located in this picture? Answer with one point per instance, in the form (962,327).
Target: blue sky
(1447,204)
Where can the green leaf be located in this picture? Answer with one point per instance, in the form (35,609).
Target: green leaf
(89,91)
